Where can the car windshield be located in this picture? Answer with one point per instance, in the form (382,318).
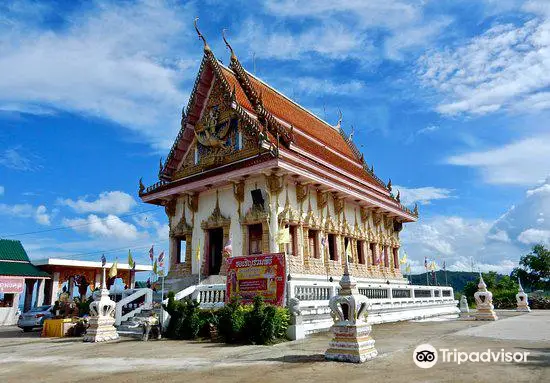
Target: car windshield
(40,308)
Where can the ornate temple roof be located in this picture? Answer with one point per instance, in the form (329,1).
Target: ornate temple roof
(294,130)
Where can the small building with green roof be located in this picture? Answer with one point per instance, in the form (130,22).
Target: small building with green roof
(17,276)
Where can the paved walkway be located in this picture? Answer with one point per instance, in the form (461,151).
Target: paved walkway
(28,358)
(532,327)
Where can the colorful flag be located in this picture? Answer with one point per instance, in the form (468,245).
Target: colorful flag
(161,259)
(433,266)
(155,267)
(403,259)
(283,236)
(151,253)
(444,266)
(113,270)
(408,269)
(426,263)
(131,262)
(228,248)
(324,241)
(103,260)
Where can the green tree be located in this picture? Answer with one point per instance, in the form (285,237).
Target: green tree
(534,270)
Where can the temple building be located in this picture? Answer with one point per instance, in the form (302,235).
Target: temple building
(249,161)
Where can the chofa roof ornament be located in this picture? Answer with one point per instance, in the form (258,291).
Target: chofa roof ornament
(233,56)
(338,125)
(206,47)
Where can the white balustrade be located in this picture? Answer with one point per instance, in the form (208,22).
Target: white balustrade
(134,308)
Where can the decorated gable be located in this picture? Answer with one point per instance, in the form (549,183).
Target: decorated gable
(220,136)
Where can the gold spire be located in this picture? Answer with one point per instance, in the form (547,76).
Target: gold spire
(206,47)
(233,56)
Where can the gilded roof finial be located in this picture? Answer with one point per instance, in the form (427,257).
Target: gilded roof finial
(389,185)
(350,138)
(206,47)
(141,186)
(415,211)
(161,166)
(398,198)
(233,57)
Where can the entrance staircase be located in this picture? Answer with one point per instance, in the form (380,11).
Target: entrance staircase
(130,327)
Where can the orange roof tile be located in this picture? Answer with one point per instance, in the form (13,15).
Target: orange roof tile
(294,114)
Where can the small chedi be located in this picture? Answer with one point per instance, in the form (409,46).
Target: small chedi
(102,319)
(464,309)
(521,299)
(351,340)
(484,302)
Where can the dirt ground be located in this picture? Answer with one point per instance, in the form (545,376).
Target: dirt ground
(25,357)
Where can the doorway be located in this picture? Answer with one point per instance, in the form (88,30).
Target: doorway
(215,249)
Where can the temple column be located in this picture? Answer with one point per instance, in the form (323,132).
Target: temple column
(29,289)
(273,228)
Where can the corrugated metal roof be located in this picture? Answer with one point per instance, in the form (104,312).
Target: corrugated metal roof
(11,250)
(21,269)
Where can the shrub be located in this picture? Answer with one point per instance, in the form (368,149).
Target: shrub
(231,321)
(265,323)
(185,318)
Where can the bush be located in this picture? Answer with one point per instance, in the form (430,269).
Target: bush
(236,323)
(231,321)
(185,318)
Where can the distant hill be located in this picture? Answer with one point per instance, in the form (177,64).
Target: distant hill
(455,279)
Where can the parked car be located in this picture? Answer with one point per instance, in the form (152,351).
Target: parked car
(35,317)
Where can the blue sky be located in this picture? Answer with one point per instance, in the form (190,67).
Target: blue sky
(449,99)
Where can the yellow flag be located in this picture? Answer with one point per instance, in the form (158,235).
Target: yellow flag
(408,269)
(155,268)
(283,236)
(199,251)
(113,270)
(403,259)
(433,266)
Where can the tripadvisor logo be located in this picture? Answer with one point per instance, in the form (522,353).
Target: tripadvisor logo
(426,356)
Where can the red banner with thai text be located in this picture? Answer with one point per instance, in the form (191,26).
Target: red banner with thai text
(251,275)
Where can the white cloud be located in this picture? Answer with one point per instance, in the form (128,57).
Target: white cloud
(526,223)
(504,68)
(312,85)
(113,202)
(42,216)
(340,30)
(13,159)
(111,60)
(423,195)
(499,235)
(524,162)
(40,213)
(535,236)
(148,221)
(462,243)
(109,227)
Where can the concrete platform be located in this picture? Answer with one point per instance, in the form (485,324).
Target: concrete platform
(27,357)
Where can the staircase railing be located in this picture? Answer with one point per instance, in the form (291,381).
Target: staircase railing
(145,303)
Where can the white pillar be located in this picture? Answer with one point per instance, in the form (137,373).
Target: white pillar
(273,226)
(39,293)
(55,287)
